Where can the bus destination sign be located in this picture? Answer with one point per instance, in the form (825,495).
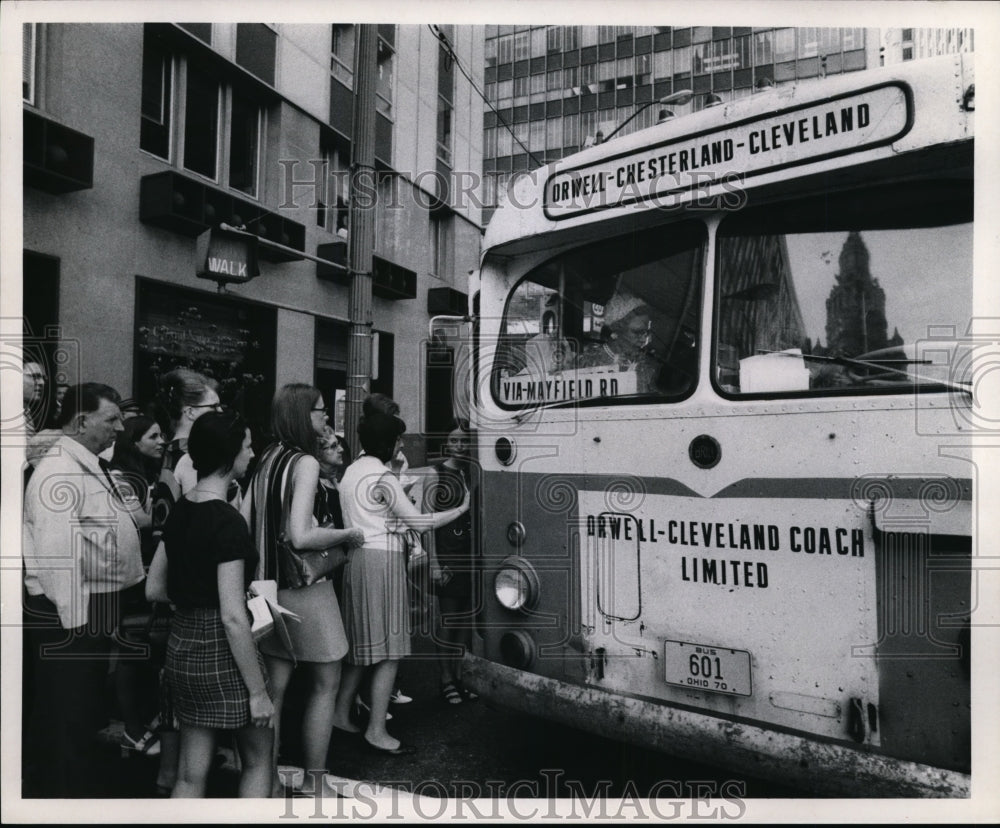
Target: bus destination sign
(664,174)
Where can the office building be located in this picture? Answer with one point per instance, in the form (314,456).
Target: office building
(138,138)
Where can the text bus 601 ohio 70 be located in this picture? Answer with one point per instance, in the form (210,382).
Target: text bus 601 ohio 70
(723,399)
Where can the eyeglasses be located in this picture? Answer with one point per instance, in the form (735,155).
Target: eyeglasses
(217,406)
(324,410)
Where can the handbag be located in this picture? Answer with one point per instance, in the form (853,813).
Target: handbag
(303,567)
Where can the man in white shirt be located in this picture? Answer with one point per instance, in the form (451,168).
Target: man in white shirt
(81,549)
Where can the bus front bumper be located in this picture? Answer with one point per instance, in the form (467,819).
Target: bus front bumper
(795,760)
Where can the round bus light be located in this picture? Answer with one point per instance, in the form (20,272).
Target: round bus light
(516,533)
(517,649)
(516,585)
(506,451)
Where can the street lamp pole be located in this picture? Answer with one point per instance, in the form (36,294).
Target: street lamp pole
(678,98)
(361,238)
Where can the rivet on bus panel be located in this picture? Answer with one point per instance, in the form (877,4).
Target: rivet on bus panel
(516,533)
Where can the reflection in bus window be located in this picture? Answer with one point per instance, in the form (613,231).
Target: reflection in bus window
(840,310)
(613,320)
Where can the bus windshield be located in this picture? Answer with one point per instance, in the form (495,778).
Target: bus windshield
(826,307)
(612,321)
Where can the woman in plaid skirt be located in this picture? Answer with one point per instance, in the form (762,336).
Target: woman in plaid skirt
(204,566)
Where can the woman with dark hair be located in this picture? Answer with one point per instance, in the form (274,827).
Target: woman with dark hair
(279,504)
(184,396)
(135,465)
(203,566)
(451,550)
(376,592)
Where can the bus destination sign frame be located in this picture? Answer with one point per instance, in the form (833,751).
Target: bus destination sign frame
(664,173)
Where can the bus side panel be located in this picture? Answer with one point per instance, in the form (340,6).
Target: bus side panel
(546,506)
(924,649)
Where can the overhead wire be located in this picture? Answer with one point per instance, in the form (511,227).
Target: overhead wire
(450,53)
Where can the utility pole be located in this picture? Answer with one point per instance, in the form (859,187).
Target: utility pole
(361,228)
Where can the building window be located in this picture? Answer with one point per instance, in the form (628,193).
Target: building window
(441,242)
(154,132)
(588,35)
(536,142)
(505,49)
(538,41)
(521,90)
(570,38)
(334,192)
(256,47)
(663,65)
(643,64)
(244,144)
(784,44)
(853,39)
(522,46)
(763,45)
(29,62)
(829,41)
(444,131)
(342,54)
(504,141)
(553,133)
(571,131)
(555,38)
(209,127)
(538,86)
(682,60)
(383,83)
(808,42)
(490,143)
(201,123)
(505,91)
(605,34)
(446,96)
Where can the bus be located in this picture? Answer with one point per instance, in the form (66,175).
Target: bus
(722,387)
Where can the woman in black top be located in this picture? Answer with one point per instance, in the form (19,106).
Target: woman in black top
(204,566)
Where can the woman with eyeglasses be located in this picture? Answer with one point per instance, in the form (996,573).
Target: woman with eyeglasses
(184,397)
(280,502)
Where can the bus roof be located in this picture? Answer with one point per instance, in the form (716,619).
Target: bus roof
(784,133)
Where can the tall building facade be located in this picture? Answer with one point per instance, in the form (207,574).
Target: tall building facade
(900,45)
(555,87)
(140,137)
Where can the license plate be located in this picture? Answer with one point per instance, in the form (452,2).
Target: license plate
(706,667)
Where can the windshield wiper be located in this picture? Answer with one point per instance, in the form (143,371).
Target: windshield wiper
(881,366)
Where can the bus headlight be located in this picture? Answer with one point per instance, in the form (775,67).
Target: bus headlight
(516,584)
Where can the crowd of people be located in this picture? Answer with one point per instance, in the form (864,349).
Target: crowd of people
(144,528)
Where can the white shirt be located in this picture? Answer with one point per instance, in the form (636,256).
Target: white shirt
(362,508)
(79,537)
